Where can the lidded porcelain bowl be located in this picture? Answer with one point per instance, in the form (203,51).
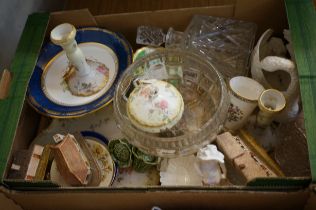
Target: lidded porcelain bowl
(170,103)
(154,106)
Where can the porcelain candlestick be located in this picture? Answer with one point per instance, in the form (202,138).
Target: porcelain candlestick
(83,77)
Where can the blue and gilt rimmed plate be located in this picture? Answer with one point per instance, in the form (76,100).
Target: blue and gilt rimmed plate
(50,101)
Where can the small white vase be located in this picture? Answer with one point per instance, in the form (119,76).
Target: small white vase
(270,102)
(210,165)
(244,93)
(83,78)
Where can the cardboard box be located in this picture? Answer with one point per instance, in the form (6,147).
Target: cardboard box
(20,123)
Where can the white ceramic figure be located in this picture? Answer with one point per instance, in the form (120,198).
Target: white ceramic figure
(154,105)
(267,57)
(244,93)
(84,77)
(270,102)
(210,165)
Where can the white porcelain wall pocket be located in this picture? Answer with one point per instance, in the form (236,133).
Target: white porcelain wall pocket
(269,66)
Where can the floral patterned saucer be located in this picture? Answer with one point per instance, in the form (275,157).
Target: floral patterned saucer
(49,95)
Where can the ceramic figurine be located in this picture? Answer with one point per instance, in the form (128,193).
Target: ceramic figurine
(71,162)
(154,106)
(210,165)
(84,77)
(121,152)
(247,157)
(25,163)
(269,66)
(244,94)
(142,162)
(270,102)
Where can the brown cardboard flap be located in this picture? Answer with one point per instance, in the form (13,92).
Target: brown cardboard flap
(6,202)
(190,199)
(78,18)
(177,18)
(263,13)
(101,7)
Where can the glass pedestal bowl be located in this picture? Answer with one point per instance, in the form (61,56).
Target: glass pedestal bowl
(204,95)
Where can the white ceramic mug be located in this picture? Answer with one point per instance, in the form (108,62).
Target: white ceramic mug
(244,93)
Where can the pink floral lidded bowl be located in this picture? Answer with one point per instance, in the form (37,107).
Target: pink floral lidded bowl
(154,105)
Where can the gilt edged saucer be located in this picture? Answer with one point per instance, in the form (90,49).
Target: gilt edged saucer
(46,91)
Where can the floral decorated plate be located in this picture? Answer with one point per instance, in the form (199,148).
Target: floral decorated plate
(46,91)
(96,143)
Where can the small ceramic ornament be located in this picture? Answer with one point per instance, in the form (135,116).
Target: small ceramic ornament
(71,162)
(244,93)
(210,165)
(75,161)
(104,160)
(121,152)
(154,106)
(84,77)
(270,102)
(270,67)
(25,163)
(141,161)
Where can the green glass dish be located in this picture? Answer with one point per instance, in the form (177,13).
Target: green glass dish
(143,162)
(121,152)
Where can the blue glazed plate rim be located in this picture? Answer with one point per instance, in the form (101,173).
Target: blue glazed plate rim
(36,96)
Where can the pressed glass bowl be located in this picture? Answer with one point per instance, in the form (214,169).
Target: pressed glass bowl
(205,102)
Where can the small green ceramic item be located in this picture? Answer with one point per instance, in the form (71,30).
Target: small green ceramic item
(142,162)
(121,152)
